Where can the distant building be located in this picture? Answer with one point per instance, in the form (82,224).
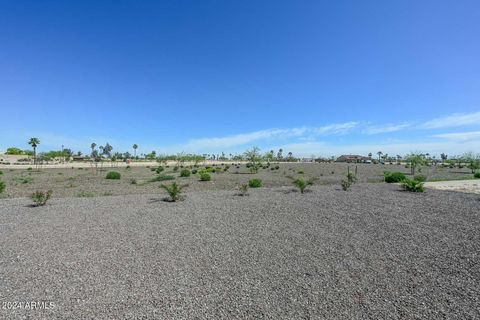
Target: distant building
(353,158)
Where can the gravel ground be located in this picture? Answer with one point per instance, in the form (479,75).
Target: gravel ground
(471,186)
(374,252)
(85,183)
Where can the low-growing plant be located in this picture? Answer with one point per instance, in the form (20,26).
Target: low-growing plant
(300,172)
(175,169)
(128,167)
(113,175)
(84,194)
(302,184)
(476,175)
(412,185)
(174,190)
(255,183)
(194,171)
(185,173)
(346,184)
(243,190)
(1,172)
(40,198)
(161,178)
(352,178)
(2,186)
(393,177)
(204,176)
(420,178)
(133,181)
(158,170)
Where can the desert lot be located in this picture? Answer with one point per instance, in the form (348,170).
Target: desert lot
(374,252)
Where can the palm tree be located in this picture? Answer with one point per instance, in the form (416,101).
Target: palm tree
(379,155)
(93,145)
(135,147)
(34,142)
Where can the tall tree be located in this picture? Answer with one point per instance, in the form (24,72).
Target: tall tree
(92,146)
(379,155)
(135,147)
(34,142)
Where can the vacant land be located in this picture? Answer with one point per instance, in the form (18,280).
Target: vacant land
(85,182)
(373,252)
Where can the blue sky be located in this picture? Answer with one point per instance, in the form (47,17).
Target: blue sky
(312,77)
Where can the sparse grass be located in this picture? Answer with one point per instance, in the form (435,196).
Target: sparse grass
(40,198)
(84,194)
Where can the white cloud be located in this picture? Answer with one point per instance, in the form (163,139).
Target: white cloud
(336,128)
(454,120)
(386,128)
(460,136)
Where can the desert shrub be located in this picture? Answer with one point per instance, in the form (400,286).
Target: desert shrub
(1,172)
(302,184)
(2,186)
(300,172)
(346,184)
(204,176)
(128,167)
(209,169)
(185,173)
(277,167)
(420,178)
(159,169)
(40,198)
(226,168)
(352,178)
(152,169)
(393,177)
(194,171)
(175,169)
(243,190)
(30,168)
(113,175)
(133,181)
(161,178)
(412,185)
(255,183)
(174,190)
(476,175)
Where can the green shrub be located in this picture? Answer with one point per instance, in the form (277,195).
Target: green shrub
(255,183)
(393,177)
(113,175)
(2,186)
(159,169)
(302,184)
(185,173)
(300,172)
(204,176)
(128,167)
(420,178)
(174,190)
(175,169)
(194,171)
(30,169)
(243,190)
(277,167)
(1,172)
(352,178)
(476,175)
(412,185)
(161,178)
(346,184)
(40,198)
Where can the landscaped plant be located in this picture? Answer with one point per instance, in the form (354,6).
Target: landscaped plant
(254,159)
(302,184)
(185,173)
(204,176)
(113,175)
(393,177)
(243,190)
(415,161)
(161,178)
(255,183)
(1,172)
(413,185)
(346,184)
(476,175)
(40,198)
(420,178)
(2,186)
(159,169)
(194,171)
(174,190)
(350,179)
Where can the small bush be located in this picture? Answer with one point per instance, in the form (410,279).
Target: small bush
(185,173)
(255,183)
(412,185)
(2,186)
(204,176)
(476,175)
(277,167)
(243,190)
(302,184)
(346,184)
(194,171)
(40,198)
(30,168)
(161,178)
(420,178)
(174,190)
(113,175)
(159,169)
(300,172)
(133,181)
(128,167)
(1,172)
(393,177)
(175,169)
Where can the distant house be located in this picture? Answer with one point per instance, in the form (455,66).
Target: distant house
(353,158)
(79,158)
